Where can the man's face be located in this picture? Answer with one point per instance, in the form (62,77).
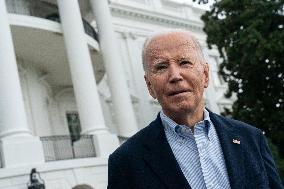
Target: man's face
(175,74)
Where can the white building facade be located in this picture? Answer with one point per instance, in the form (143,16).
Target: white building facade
(72,86)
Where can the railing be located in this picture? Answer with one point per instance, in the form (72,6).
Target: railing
(61,147)
(1,163)
(87,27)
(43,9)
(31,7)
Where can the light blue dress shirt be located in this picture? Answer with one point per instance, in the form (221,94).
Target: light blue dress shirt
(198,154)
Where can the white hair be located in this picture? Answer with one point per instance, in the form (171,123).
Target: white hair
(150,38)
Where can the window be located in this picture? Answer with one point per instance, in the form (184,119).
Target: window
(73,125)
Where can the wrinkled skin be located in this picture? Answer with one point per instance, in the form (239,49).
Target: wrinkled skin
(176,76)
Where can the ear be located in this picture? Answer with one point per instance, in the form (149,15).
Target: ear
(149,86)
(206,75)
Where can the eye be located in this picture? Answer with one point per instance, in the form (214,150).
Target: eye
(185,63)
(161,66)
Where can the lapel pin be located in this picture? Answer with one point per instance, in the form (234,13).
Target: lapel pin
(235,141)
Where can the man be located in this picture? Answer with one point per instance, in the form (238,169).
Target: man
(188,146)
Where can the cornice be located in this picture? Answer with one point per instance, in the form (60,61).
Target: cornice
(156,17)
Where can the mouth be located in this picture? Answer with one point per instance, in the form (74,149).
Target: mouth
(177,92)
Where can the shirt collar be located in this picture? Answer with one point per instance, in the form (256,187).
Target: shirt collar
(171,125)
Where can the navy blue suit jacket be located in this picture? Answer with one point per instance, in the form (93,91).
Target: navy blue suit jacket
(146,161)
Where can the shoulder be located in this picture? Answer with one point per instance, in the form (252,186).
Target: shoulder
(233,124)
(255,150)
(252,138)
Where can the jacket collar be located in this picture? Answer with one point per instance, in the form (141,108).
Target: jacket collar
(159,156)
(232,147)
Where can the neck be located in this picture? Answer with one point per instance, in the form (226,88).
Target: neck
(187,118)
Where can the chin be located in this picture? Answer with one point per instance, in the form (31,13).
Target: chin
(185,109)
(179,109)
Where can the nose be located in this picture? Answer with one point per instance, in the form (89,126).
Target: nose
(175,74)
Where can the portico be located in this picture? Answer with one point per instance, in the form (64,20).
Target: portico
(17,122)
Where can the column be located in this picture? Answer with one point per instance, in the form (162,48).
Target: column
(145,111)
(83,78)
(18,146)
(212,91)
(123,109)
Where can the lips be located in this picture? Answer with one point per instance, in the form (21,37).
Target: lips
(176,92)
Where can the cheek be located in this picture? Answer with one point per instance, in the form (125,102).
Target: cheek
(200,81)
(158,85)
(159,92)
(154,89)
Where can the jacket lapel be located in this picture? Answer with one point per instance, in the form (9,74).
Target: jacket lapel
(231,144)
(159,156)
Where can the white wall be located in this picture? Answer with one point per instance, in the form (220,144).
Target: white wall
(59,175)
(36,97)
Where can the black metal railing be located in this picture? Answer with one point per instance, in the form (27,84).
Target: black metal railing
(61,147)
(31,7)
(87,27)
(1,156)
(43,9)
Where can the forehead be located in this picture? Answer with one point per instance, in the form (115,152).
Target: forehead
(175,43)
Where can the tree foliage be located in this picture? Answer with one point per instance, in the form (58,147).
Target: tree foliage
(280,161)
(249,36)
